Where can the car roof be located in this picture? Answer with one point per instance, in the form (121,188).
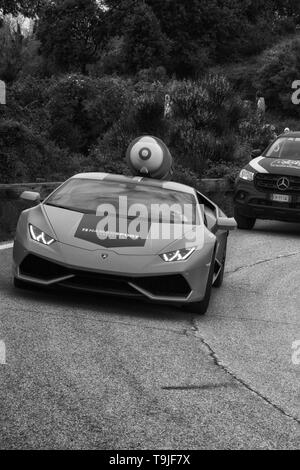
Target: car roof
(171,185)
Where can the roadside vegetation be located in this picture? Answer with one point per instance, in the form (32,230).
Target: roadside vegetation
(84,78)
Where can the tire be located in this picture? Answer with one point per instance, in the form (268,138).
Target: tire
(18,284)
(219,280)
(244,223)
(201,307)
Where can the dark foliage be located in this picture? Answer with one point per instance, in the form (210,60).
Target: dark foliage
(70,33)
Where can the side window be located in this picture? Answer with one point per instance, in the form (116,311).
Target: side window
(210,211)
(200,202)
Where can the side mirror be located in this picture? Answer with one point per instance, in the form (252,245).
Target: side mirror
(31,196)
(226,223)
(256,153)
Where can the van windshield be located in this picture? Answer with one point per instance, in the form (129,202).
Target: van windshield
(286,148)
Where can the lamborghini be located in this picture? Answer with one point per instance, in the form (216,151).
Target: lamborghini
(127,236)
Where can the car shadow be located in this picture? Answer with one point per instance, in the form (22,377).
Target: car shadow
(277,228)
(95,303)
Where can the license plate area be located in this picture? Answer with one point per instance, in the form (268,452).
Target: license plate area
(281,198)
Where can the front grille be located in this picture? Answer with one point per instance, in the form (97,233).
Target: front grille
(101,283)
(174,285)
(42,269)
(275,204)
(169,285)
(267,182)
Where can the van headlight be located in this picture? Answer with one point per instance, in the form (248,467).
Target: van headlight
(246,175)
(40,236)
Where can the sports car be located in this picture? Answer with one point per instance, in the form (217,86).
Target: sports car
(127,236)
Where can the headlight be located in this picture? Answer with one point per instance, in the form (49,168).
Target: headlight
(178,255)
(40,236)
(246,175)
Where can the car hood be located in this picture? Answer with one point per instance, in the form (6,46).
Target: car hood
(78,229)
(277,166)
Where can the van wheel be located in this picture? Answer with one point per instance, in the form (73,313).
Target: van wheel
(244,223)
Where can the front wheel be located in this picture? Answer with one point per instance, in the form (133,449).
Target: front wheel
(219,279)
(201,307)
(244,223)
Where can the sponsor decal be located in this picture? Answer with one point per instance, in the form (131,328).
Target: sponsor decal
(130,225)
(280,163)
(255,164)
(90,229)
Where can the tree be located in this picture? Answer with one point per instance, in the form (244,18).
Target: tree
(71,33)
(11,43)
(145,45)
(29,8)
(200,32)
(209,31)
(279,68)
(289,8)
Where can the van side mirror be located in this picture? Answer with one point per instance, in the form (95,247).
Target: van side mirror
(31,196)
(256,153)
(226,223)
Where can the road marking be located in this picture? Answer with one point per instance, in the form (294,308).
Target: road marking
(2,353)
(6,246)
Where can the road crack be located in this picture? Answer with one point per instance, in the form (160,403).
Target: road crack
(267,260)
(218,363)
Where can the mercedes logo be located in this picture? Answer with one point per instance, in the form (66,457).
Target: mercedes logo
(104,256)
(283,184)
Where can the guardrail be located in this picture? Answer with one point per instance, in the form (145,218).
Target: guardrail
(219,190)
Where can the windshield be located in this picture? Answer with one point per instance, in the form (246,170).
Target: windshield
(128,200)
(286,148)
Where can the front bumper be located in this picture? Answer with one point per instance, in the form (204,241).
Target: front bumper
(130,276)
(250,202)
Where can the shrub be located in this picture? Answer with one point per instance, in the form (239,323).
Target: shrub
(26,156)
(104,107)
(205,121)
(10,51)
(255,134)
(280,66)
(145,45)
(71,125)
(147,112)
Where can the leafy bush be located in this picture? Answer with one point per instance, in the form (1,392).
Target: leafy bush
(109,98)
(280,66)
(145,45)
(10,51)
(71,125)
(70,33)
(147,112)
(142,112)
(205,121)
(26,156)
(255,134)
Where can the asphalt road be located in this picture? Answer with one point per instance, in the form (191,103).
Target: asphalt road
(88,372)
